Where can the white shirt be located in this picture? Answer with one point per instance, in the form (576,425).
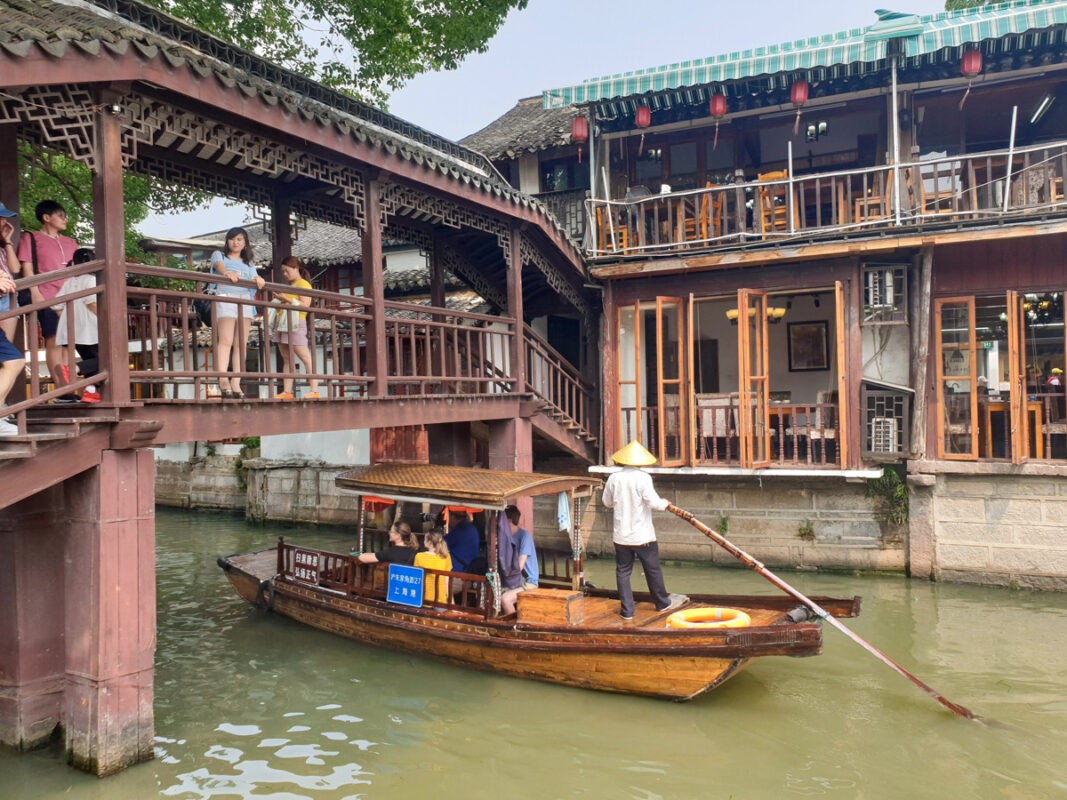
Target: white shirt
(85,324)
(630,492)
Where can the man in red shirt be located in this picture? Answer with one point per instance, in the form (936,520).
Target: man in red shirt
(54,251)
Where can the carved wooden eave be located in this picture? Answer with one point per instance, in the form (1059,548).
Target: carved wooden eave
(227,128)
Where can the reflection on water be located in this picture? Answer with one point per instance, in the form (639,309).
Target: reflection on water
(249,705)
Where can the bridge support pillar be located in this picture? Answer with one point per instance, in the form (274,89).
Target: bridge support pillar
(78,625)
(511,448)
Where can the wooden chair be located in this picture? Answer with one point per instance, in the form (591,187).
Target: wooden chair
(716,422)
(874,205)
(709,216)
(616,237)
(935,189)
(774,203)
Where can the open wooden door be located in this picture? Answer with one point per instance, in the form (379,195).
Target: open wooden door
(671,399)
(629,400)
(843,428)
(957,395)
(753,384)
(1017,394)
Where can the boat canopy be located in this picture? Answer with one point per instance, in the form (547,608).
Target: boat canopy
(469,486)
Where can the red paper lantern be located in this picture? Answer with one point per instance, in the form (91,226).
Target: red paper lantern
(798,95)
(970,66)
(643,117)
(971,63)
(579,130)
(718,111)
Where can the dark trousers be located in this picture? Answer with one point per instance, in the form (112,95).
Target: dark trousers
(648,555)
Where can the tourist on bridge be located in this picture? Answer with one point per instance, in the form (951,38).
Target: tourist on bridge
(629,492)
(290,328)
(86,325)
(9,268)
(235,264)
(11,360)
(48,250)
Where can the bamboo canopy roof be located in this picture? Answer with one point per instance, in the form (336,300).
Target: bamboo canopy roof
(478,488)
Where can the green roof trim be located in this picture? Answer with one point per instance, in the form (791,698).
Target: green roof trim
(921,35)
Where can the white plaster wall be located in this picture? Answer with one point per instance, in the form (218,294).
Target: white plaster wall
(529,174)
(328,447)
(887,353)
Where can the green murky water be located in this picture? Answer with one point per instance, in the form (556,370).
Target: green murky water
(249,705)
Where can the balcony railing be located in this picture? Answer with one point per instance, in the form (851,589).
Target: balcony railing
(1001,184)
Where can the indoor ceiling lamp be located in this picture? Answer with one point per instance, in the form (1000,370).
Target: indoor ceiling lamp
(970,67)
(774,314)
(1041,108)
(718,111)
(798,96)
(579,133)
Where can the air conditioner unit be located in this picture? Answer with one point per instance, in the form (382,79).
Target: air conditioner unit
(883,434)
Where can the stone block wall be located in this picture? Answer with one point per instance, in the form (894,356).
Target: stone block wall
(1005,529)
(783,522)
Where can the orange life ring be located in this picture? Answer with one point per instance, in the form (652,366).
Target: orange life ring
(709,618)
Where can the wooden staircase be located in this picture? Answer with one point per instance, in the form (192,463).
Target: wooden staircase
(62,441)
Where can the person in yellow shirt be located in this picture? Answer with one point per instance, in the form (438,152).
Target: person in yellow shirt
(435,556)
(294,340)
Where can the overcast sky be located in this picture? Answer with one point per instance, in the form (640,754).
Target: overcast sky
(554,43)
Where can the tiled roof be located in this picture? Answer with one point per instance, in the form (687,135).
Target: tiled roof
(57,28)
(527,128)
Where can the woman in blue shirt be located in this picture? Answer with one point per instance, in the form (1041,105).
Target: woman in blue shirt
(234,265)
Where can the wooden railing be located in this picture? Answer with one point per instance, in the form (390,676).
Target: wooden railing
(973,187)
(558,384)
(345,574)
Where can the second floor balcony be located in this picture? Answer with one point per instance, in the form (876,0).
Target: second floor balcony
(938,191)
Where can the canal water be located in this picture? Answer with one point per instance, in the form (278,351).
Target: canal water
(250,705)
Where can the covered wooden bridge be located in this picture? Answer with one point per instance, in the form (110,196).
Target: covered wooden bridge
(123,88)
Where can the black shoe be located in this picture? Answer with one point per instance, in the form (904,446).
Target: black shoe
(65,400)
(626,618)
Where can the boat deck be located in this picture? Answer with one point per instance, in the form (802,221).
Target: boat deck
(595,612)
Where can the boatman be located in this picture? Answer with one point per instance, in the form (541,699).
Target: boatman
(631,494)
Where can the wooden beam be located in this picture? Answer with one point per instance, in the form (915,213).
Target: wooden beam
(374,290)
(791,253)
(920,348)
(109,212)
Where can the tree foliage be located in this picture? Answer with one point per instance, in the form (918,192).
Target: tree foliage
(955,5)
(366,48)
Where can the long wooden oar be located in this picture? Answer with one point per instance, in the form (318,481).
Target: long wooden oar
(749,561)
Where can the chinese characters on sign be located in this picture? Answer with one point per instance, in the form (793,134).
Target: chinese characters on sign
(306,567)
(405,585)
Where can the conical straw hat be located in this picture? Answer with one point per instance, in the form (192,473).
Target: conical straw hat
(634,455)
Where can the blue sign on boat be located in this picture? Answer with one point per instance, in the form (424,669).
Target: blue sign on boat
(405,585)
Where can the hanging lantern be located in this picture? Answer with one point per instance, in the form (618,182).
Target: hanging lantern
(642,119)
(579,133)
(970,67)
(798,96)
(718,111)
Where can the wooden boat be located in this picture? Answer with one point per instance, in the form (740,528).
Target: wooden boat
(564,632)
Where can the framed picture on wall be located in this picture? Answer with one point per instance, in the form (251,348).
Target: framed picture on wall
(809,346)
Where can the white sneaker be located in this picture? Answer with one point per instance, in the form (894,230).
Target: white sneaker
(7,429)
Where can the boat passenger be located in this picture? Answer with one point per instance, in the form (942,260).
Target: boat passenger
(435,556)
(403,545)
(462,541)
(629,492)
(518,568)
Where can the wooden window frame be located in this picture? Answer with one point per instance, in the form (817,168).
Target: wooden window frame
(941,377)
